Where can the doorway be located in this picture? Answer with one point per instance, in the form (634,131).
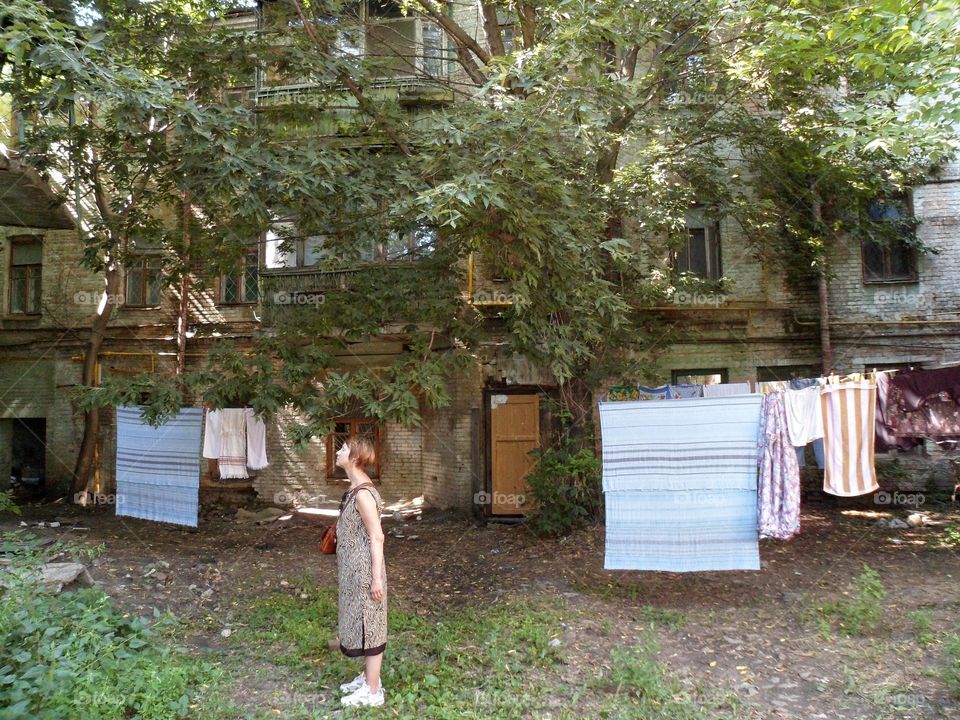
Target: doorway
(514,432)
(28,455)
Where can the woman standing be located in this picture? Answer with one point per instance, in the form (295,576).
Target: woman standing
(362,576)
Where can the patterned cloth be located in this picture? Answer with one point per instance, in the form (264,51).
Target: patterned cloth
(233,444)
(680,484)
(889,414)
(158,469)
(686,390)
(657,393)
(849,421)
(778,489)
(361,621)
(937,416)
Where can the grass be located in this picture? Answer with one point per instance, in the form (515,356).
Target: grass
(75,655)
(950,671)
(494,661)
(859,613)
(922,621)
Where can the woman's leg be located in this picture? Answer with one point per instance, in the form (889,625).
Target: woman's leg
(372,665)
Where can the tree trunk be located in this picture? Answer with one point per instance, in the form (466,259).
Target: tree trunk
(184,291)
(82,478)
(823,293)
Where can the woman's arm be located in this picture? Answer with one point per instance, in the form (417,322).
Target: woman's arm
(367,507)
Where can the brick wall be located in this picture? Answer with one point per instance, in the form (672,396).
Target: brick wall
(865,330)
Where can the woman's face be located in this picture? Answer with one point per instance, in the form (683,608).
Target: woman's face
(343,456)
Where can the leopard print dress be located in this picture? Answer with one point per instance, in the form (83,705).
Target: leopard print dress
(362,621)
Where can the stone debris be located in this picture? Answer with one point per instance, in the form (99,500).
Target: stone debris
(261,517)
(66,576)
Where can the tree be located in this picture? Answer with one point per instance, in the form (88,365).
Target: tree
(580,136)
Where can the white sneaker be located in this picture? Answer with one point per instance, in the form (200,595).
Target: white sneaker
(363,696)
(353,684)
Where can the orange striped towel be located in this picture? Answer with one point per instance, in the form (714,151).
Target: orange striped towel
(849,414)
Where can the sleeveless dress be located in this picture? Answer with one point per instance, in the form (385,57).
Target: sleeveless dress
(362,621)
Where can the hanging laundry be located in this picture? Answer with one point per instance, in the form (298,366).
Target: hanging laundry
(778,487)
(801,383)
(680,484)
(686,391)
(888,414)
(158,468)
(211,434)
(623,392)
(849,419)
(726,389)
(233,444)
(918,385)
(804,420)
(769,386)
(657,393)
(935,415)
(256,441)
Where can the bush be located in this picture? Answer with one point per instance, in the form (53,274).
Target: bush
(566,485)
(7,505)
(74,655)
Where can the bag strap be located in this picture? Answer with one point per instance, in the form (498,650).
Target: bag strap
(347,495)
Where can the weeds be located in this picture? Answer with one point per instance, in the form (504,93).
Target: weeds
(950,672)
(74,655)
(861,611)
(922,621)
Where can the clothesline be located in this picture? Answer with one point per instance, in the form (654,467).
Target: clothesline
(672,460)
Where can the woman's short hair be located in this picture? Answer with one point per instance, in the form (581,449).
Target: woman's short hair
(362,452)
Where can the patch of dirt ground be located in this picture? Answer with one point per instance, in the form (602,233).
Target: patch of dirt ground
(758,635)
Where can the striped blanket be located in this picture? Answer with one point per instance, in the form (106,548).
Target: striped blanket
(680,484)
(849,426)
(158,469)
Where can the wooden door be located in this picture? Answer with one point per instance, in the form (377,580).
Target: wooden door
(514,432)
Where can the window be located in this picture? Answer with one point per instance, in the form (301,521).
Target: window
(240,285)
(785,373)
(886,251)
(26,270)
(342,430)
(700,255)
(434,57)
(286,248)
(684,71)
(408,245)
(710,376)
(507,22)
(143,281)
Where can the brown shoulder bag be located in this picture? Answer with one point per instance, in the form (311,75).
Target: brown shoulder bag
(328,541)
